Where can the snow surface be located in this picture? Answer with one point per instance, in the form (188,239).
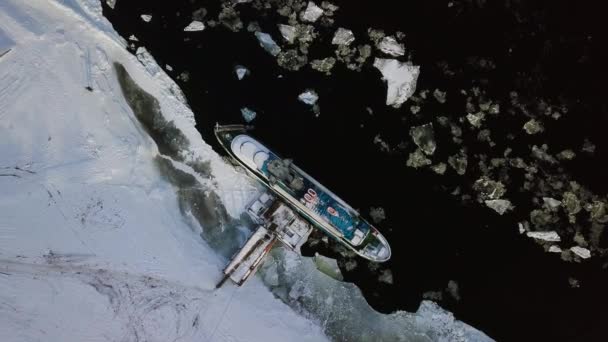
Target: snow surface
(5,43)
(99,240)
(93,245)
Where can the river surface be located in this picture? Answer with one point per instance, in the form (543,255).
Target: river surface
(508,287)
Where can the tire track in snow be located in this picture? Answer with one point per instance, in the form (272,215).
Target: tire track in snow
(148,308)
(12,83)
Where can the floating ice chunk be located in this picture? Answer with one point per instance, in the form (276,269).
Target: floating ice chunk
(111,3)
(133,38)
(551,203)
(453,289)
(312,12)
(377,214)
(288,32)
(310,97)
(501,206)
(545,236)
(386,277)
(268,43)
(581,252)
(328,266)
(555,249)
(417,159)
(168,67)
(476,119)
(424,137)
(343,37)
(248,114)
(522,227)
(401,79)
(323,65)
(146,17)
(533,126)
(241,71)
(390,46)
(440,96)
(195,26)
(440,168)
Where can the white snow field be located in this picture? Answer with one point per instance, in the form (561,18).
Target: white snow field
(98,241)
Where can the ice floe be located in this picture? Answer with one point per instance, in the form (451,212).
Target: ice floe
(309,97)
(501,206)
(328,266)
(312,12)
(195,26)
(288,32)
(248,114)
(424,137)
(583,253)
(343,37)
(146,17)
(545,236)
(241,71)
(390,46)
(401,79)
(268,43)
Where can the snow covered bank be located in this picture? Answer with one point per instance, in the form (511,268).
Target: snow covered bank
(94,245)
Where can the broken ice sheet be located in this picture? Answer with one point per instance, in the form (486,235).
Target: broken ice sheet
(390,46)
(288,32)
(309,97)
(268,43)
(424,137)
(194,26)
(312,12)
(343,37)
(241,71)
(400,77)
(328,266)
(146,17)
(248,114)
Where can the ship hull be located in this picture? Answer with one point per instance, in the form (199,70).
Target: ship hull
(304,194)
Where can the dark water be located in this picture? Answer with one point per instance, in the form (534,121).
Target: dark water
(509,287)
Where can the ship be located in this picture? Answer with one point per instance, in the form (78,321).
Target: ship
(302,193)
